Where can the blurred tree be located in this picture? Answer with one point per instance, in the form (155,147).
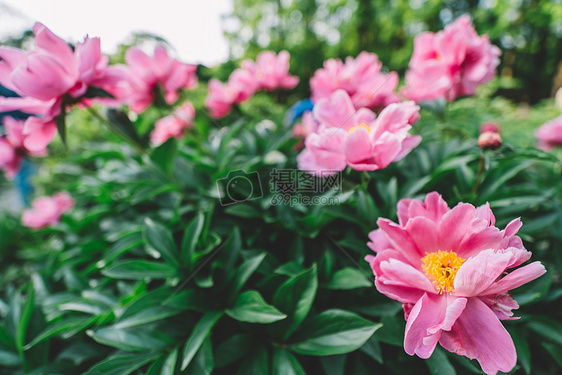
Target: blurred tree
(529,32)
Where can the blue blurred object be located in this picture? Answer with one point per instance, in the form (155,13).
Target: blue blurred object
(297,110)
(23,178)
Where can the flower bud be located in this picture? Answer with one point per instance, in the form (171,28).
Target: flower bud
(490,140)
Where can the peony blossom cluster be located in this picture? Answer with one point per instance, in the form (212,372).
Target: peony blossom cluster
(29,137)
(448,267)
(361,78)
(450,63)
(268,72)
(46,211)
(549,134)
(173,125)
(53,75)
(357,138)
(144,74)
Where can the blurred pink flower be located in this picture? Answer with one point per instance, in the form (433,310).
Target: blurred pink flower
(450,63)
(346,137)
(447,266)
(29,137)
(549,134)
(271,71)
(240,87)
(46,211)
(174,125)
(306,126)
(144,73)
(53,75)
(361,78)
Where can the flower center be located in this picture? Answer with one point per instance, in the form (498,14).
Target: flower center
(441,268)
(362,125)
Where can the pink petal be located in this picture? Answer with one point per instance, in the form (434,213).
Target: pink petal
(401,292)
(47,41)
(453,226)
(479,272)
(516,278)
(478,334)
(39,134)
(400,240)
(427,319)
(10,59)
(423,232)
(379,241)
(336,112)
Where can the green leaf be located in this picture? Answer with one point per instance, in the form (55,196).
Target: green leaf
(392,331)
(244,210)
(373,349)
(9,359)
(56,329)
(555,351)
(203,363)
(122,246)
(160,239)
(200,332)
(164,154)
(547,328)
(250,307)
(438,363)
(122,364)
(246,270)
(333,332)
(190,239)
(60,121)
(97,92)
(24,319)
(169,366)
(149,315)
(234,348)
(284,363)
(130,340)
(120,123)
(294,297)
(522,347)
(256,364)
(140,269)
(349,278)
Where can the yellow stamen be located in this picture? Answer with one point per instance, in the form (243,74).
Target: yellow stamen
(441,268)
(362,125)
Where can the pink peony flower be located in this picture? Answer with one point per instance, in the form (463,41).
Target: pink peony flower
(549,134)
(361,78)
(240,87)
(346,137)
(450,63)
(29,137)
(144,73)
(46,211)
(53,75)
(271,71)
(173,125)
(447,266)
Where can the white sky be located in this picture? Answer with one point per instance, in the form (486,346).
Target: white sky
(192,27)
